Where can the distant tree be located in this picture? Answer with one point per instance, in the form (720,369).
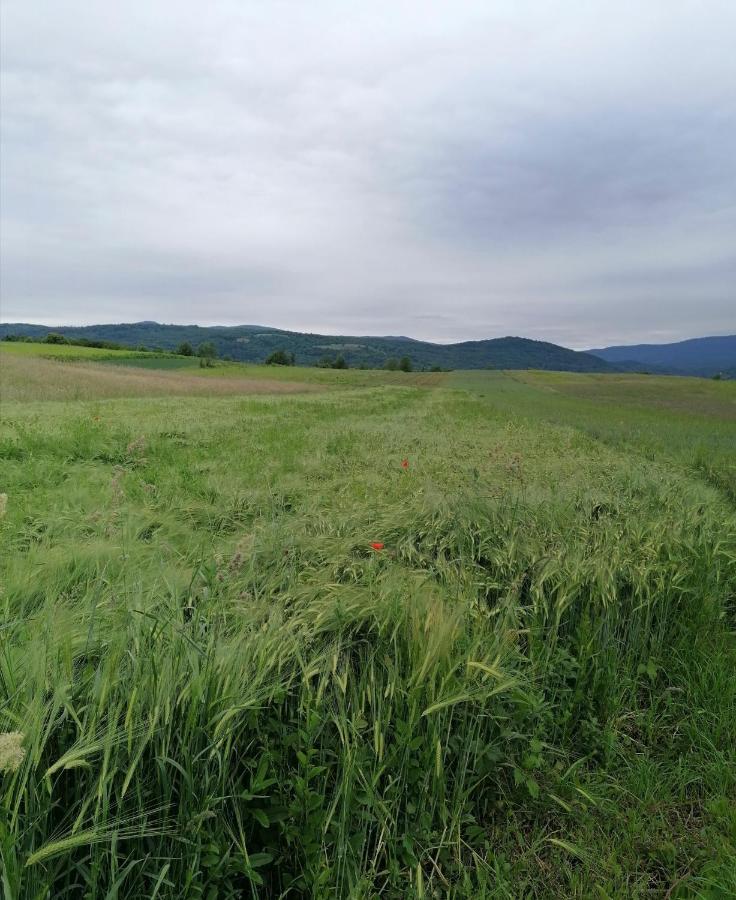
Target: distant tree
(327,362)
(185,349)
(53,338)
(436,369)
(392,364)
(141,348)
(405,364)
(717,376)
(280,358)
(207,354)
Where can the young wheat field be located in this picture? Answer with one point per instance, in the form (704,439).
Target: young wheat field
(342,634)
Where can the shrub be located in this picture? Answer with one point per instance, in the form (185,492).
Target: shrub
(207,354)
(327,362)
(280,358)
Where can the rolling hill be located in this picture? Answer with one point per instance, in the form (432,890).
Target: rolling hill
(705,356)
(253,343)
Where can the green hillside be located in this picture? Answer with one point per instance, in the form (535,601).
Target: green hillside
(251,343)
(705,356)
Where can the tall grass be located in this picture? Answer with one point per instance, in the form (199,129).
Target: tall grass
(224,691)
(690,422)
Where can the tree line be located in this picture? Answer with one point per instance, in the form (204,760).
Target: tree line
(207,352)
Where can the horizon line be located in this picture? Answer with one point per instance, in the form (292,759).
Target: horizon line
(441,343)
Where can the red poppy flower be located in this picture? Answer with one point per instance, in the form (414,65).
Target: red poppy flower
(404,463)
(377,545)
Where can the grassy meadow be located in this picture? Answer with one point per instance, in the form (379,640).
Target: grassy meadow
(71,352)
(314,633)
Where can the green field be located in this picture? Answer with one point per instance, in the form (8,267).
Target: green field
(71,352)
(155,362)
(212,685)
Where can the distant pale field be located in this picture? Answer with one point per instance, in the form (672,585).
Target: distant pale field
(36,378)
(292,632)
(60,372)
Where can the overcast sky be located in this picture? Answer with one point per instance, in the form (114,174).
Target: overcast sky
(450,170)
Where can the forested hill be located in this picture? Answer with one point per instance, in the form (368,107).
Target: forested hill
(696,356)
(253,343)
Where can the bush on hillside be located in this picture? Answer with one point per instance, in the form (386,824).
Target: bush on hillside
(280,358)
(326,362)
(207,354)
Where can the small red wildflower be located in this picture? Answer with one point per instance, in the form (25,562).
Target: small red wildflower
(404,463)
(376,545)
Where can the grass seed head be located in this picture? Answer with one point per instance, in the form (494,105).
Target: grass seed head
(11,750)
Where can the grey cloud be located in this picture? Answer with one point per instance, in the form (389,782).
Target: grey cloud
(608,170)
(446,172)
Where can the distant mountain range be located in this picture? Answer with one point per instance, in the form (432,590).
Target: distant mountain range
(253,343)
(705,356)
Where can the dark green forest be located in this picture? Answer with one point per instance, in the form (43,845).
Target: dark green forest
(252,343)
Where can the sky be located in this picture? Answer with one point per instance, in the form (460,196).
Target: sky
(558,170)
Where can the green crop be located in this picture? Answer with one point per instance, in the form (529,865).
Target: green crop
(212,685)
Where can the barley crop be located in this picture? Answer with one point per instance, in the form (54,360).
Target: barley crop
(245,651)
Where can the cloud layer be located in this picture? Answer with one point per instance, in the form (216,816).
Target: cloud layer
(559,170)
